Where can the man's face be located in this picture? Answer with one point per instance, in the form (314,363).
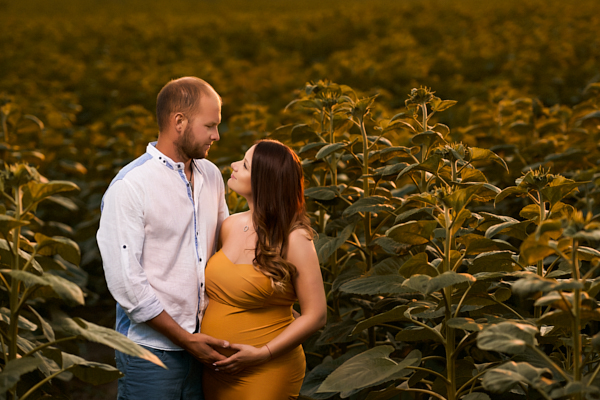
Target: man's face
(201,129)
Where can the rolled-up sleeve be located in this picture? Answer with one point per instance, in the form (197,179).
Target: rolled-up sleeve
(121,239)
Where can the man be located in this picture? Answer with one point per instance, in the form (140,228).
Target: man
(160,219)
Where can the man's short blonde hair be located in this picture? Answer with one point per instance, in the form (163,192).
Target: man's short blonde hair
(181,95)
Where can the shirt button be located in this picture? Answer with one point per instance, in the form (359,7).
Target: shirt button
(200,259)
(202,285)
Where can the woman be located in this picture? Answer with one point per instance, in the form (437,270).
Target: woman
(266,262)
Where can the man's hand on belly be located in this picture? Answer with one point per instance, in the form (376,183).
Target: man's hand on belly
(205,348)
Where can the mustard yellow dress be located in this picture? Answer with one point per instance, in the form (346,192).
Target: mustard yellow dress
(244,309)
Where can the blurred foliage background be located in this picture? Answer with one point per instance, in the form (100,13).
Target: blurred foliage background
(90,71)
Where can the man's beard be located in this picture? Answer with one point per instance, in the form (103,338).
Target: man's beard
(187,148)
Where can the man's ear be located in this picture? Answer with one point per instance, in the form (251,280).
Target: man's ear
(179,122)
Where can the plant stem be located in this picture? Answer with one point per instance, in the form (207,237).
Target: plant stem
(576,334)
(43,346)
(442,377)
(13,328)
(366,192)
(40,383)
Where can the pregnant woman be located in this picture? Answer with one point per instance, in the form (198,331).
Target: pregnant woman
(267,261)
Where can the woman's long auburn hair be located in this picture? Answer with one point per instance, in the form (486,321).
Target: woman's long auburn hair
(277,184)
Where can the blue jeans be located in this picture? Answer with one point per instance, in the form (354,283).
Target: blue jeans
(144,380)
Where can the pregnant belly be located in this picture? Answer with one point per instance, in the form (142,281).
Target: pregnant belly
(255,327)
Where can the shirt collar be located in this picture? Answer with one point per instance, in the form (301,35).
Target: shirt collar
(166,161)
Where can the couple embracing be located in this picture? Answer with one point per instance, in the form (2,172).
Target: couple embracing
(222,322)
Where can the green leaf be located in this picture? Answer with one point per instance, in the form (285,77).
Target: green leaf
(46,328)
(478,154)
(395,314)
(373,367)
(418,265)
(417,334)
(90,371)
(516,229)
(574,388)
(390,246)
(8,223)
(556,192)
(505,377)
(431,165)
(327,245)
(322,193)
(494,261)
(58,287)
(6,257)
(66,248)
(518,191)
(372,204)
(337,332)
(462,197)
(330,148)
(467,324)
(428,138)
(533,251)
(34,192)
(375,284)
(444,105)
(532,283)
(318,374)
(476,244)
(303,132)
(99,334)
(14,369)
(427,285)
(23,323)
(508,337)
(413,232)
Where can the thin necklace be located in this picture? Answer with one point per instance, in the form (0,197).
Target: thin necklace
(246,228)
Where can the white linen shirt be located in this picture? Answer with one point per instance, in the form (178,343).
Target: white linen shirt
(155,238)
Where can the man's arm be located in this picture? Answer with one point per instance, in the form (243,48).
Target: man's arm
(198,344)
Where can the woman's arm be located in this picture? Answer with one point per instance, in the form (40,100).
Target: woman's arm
(308,284)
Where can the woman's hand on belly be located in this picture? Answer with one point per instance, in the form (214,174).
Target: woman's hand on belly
(245,356)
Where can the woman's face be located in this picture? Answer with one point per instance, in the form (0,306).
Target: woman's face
(240,181)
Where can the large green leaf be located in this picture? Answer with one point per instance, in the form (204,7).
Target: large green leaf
(46,327)
(494,261)
(515,228)
(428,138)
(318,374)
(573,388)
(431,165)
(370,368)
(428,285)
(516,190)
(8,223)
(559,189)
(533,250)
(90,371)
(467,324)
(462,197)
(395,314)
(375,284)
(327,245)
(66,248)
(330,148)
(418,265)
(337,332)
(102,335)
(413,232)
(23,323)
(508,337)
(373,204)
(322,193)
(50,286)
(478,154)
(417,334)
(6,257)
(34,192)
(503,378)
(11,374)
(476,244)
